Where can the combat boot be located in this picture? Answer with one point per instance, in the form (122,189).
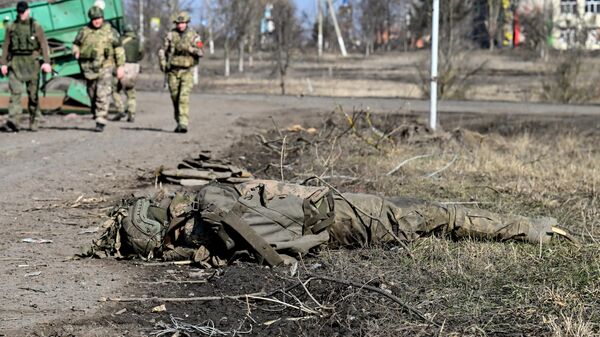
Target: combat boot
(33,124)
(99,127)
(130,118)
(119,116)
(181,129)
(9,127)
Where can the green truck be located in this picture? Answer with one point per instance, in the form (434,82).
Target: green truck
(61,20)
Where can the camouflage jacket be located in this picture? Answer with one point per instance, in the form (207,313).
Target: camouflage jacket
(98,49)
(24,38)
(180,49)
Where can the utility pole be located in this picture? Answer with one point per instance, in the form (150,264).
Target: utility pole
(435,30)
(320,27)
(338,32)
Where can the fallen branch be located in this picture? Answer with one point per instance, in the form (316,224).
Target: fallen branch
(173,281)
(443,168)
(176,263)
(302,308)
(180,328)
(406,162)
(464,203)
(282,157)
(394,298)
(181,299)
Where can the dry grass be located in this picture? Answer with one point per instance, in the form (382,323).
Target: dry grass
(530,167)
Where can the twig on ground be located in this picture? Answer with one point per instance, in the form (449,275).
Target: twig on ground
(302,307)
(343,177)
(174,281)
(406,162)
(282,157)
(277,128)
(206,328)
(288,319)
(379,291)
(443,168)
(182,299)
(464,203)
(177,263)
(267,144)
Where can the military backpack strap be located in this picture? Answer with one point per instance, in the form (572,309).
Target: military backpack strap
(31,27)
(126,40)
(177,221)
(315,221)
(233,221)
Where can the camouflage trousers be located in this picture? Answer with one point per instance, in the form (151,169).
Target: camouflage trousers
(100,90)
(181,82)
(127,86)
(390,219)
(29,77)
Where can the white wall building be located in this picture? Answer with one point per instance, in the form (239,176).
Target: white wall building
(576,20)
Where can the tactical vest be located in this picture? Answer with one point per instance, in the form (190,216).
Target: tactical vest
(96,51)
(179,50)
(131,44)
(268,216)
(23,38)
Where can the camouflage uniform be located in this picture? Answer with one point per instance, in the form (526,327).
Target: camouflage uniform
(181,51)
(99,52)
(24,40)
(277,220)
(133,55)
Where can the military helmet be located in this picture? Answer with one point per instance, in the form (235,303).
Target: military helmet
(22,6)
(128,28)
(182,17)
(95,13)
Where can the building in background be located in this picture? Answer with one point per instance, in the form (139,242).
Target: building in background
(569,23)
(576,23)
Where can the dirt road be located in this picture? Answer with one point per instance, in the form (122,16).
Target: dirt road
(55,183)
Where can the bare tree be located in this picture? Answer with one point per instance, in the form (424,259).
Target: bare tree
(377,19)
(493,20)
(455,67)
(236,18)
(537,20)
(287,37)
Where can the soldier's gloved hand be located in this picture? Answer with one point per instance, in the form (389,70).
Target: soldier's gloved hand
(4,70)
(120,72)
(46,67)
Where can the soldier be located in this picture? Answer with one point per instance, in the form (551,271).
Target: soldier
(181,51)
(275,220)
(133,55)
(24,39)
(98,49)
